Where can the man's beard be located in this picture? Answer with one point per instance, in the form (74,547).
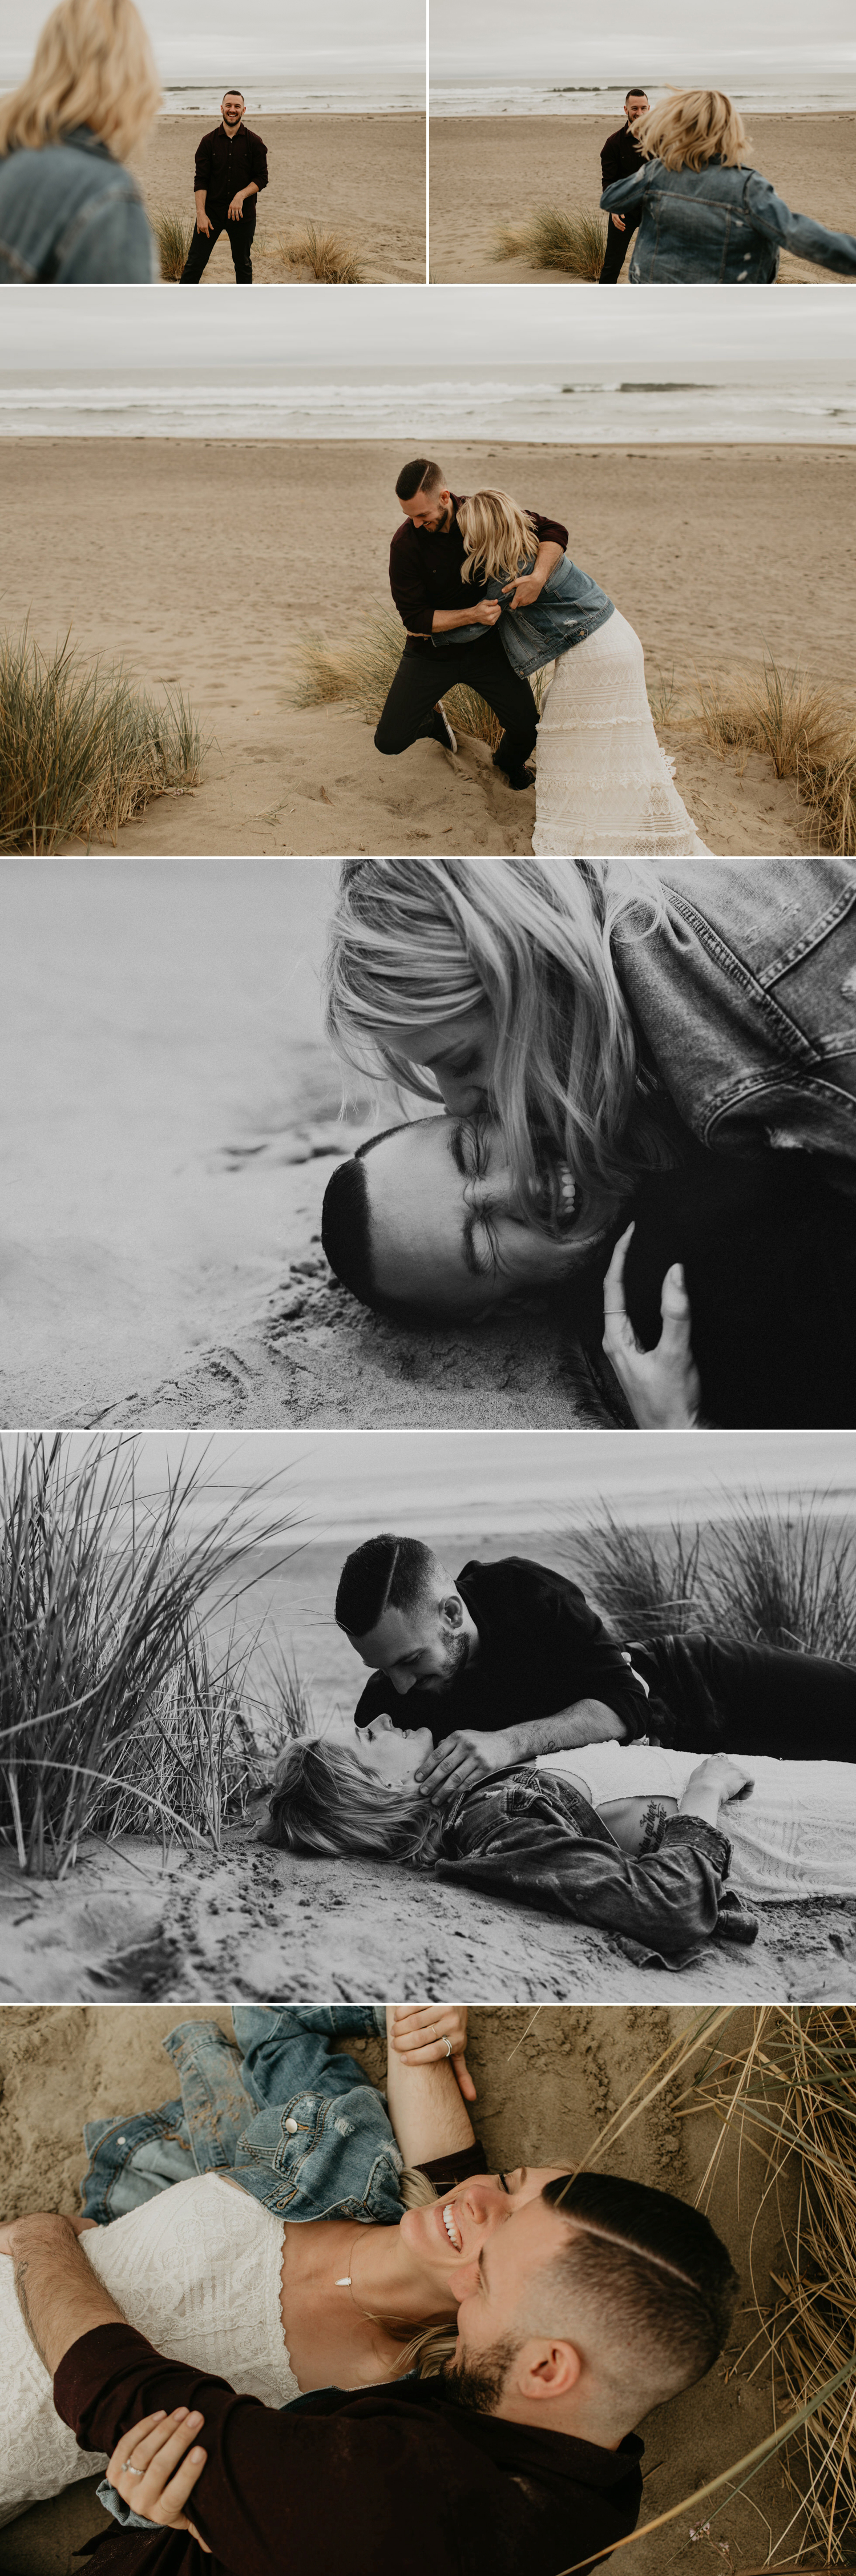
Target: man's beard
(456,1655)
(479,2384)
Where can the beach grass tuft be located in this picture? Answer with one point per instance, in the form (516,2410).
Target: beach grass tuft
(573,243)
(769,1579)
(805,731)
(331,261)
(173,234)
(83,750)
(362,672)
(116,1716)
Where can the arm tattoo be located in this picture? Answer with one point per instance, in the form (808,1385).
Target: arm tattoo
(653,1825)
(21,2270)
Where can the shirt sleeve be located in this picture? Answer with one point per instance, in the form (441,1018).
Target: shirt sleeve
(549,531)
(797,233)
(582,1658)
(258,163)
(202,170)
(415,608)
(670,1901)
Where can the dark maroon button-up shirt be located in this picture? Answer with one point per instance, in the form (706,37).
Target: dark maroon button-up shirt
(227,162)
(425,567)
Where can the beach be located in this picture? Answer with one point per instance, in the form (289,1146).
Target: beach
(362,176)
(495,170)
(689,544)
(545,2091)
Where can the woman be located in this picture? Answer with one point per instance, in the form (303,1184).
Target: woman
(531,1840)
(312,2214)
(792,1825)
(70,213)
(603,785)
(703,214)
(597,1014)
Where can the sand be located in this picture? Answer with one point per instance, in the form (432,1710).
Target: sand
(253,1922)
(714,554)
(492,170)
(545,2091)
(360,176)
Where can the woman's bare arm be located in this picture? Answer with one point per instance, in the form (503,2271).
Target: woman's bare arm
(428,2113)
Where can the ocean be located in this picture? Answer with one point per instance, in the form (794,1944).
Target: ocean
(790,81)
(393,89)
(613,413)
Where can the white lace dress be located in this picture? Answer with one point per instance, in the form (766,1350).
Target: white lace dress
(196,2270)
(603,787)
(795,1835)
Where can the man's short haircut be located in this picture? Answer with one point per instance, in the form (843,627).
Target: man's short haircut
(659,2278)
(386,1573)
(421,476)
(346,1229)
(234,93)
(635,91)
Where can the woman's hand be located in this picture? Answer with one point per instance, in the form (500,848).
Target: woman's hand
(163,2469)
(663,1387)
(718,1771)
(419,2034)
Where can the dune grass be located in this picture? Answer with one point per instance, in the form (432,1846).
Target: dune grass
(115,1713)
(805,731)
(765,1579)
(362,673)
(83,750)
(573,243)
(331,260)
(173,234)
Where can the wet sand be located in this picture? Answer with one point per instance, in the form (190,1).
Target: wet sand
(130,557)
(493,170)
(360,176)
(545,2091)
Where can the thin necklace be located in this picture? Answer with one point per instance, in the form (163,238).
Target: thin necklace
(345,2282)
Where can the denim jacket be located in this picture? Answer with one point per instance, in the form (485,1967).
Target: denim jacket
(570,607)
(744,998)
(70,215)
(721,225)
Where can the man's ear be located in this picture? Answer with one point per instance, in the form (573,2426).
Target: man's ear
(547,2371)
(452,1610)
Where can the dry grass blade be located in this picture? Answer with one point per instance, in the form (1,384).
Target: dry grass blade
(114,1717)
(647,1584)
(82,750)
(805,730)
(574,243)
(173,233)
(362,673)
(786,1579)
(329,259)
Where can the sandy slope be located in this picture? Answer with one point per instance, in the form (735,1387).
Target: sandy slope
(545,2091)
(491,170)
(130,556)
(360,176)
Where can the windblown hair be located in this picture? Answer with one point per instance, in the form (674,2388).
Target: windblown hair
(386,1573)
(689,127)
(499,537)
(660,2284)
(528,941)
(325,1804)
(94,66)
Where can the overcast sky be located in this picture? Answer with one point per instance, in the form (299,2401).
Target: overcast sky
(674,333)
(498,39)
(192,44)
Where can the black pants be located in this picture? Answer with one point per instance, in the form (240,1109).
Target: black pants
(240,235)
(422,678)
(711,1698)
(617,247)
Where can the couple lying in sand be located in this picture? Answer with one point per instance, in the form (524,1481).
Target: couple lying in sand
(643,1087)
(337,2338)
(489,597)
(506,1741)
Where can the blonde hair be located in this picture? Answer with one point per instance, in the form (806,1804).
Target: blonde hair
(93,66)
(689,128)
(498,536)
(414,942)
(325,1803)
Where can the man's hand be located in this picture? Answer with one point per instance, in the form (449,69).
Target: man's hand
(466,1756)
(485,613)
(663,1387)
(204,224)
(420,2032)
(619,222)
(154,2470)
(237,207)
(525,590)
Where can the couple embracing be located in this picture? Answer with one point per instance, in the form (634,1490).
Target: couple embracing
(489,596)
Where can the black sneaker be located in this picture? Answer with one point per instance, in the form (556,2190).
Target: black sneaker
(516,778)
(439,730)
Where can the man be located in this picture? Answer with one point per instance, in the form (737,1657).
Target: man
(586,2306)
(619,157)
(425,563)
(508,1661)
(231,170)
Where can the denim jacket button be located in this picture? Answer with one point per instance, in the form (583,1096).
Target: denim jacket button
(291,2127)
